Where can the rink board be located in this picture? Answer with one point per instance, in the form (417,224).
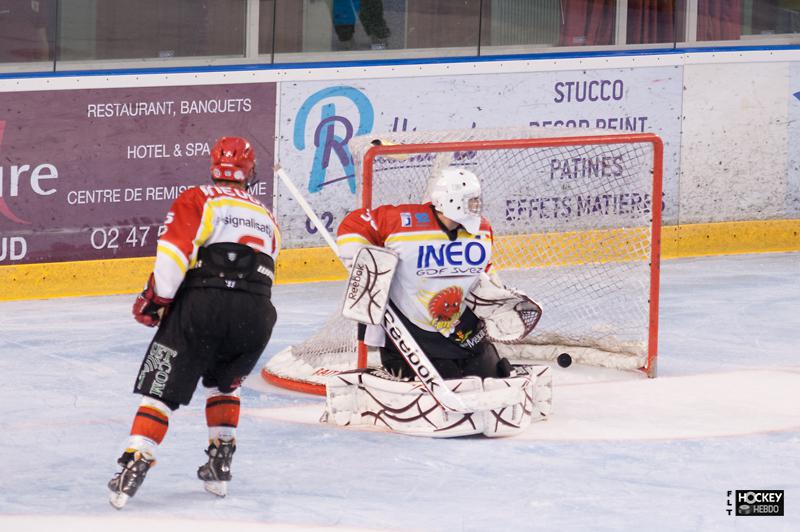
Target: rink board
(123,276)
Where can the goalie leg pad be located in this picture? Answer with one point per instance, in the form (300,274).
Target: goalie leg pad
(343,399)
(501,407)
(532,389)
(376,398)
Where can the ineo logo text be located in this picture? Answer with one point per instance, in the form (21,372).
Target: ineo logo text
(452,254)
(451,259)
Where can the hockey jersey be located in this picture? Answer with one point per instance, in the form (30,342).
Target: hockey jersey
(207,215)
(436,269)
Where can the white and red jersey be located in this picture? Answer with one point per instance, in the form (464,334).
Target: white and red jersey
(207,215)
(436,268)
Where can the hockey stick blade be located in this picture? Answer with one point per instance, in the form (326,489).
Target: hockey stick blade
(428,375)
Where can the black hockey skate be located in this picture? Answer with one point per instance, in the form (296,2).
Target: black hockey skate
(123,486)
(217,472)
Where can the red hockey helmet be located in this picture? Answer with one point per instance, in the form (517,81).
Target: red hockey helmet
(233,159)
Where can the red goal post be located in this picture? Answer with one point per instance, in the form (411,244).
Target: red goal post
(577,221)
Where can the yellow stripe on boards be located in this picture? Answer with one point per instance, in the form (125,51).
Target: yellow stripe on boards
(305,265)
(564,249)
(722,238)
(80,278)
(299,265)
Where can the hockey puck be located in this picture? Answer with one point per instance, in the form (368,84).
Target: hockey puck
(564,360)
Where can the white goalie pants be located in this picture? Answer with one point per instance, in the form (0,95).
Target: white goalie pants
(498,407)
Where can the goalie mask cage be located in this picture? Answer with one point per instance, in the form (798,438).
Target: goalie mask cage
(576,220)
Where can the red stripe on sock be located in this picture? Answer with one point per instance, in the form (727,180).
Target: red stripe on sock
(222,411)
(150,423)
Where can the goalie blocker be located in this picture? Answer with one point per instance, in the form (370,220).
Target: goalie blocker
(368,286)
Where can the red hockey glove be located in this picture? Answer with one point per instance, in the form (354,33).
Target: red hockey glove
(149,309)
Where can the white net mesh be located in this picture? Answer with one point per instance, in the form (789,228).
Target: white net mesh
(572,229)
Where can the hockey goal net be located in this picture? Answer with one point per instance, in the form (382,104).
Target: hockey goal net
(576,219)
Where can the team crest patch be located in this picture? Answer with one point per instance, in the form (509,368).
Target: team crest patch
(444,308)
(405,219)
(446,303)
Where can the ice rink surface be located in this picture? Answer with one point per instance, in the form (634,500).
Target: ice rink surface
(619,453)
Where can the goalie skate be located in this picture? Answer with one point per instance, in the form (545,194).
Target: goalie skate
(124,485)
(216,473)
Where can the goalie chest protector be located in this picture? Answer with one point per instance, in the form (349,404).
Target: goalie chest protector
(437,268)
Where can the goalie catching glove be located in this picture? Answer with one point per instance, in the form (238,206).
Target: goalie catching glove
(149,308)
(508,314)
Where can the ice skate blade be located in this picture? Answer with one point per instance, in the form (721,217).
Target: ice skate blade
(118,500)
(217,487)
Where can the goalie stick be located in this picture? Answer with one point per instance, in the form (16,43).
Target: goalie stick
(406,344)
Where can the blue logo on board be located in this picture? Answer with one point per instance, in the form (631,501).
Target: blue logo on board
(329,140)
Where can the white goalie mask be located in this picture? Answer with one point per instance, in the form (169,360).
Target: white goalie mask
(456,193)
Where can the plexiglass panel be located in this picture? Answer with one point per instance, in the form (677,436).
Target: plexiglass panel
(45,34)
(319,28)
(143,29)
(27,31)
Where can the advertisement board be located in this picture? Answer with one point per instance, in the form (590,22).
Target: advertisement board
(319,118)
(90,174)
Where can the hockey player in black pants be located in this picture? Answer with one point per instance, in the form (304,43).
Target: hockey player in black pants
(209,295)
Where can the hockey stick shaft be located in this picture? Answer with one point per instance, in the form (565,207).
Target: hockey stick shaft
(398,333)
(301,200)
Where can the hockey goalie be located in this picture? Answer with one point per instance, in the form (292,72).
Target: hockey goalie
(422,287)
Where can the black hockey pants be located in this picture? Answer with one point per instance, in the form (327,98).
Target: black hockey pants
(213,334)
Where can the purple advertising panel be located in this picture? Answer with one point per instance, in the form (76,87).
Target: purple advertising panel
(90,174)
